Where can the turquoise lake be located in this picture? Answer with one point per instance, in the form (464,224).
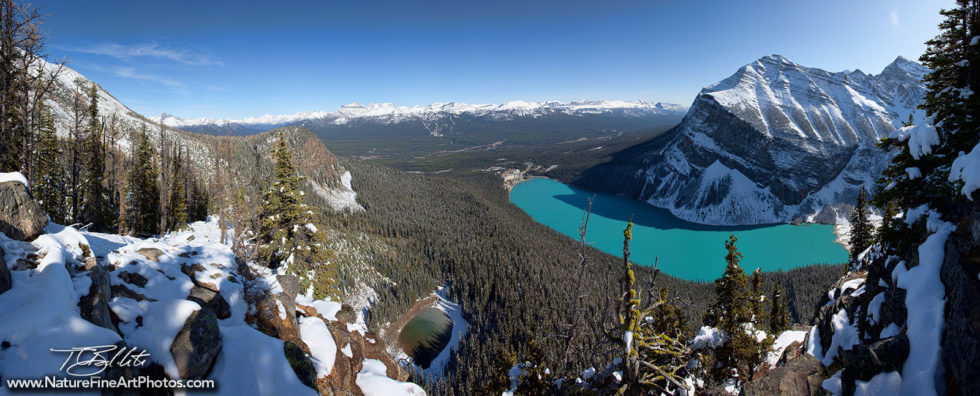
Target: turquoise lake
(685,250)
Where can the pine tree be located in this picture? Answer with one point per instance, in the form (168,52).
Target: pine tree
(732,312)
(21,42)
(889,211)
(732,305)
(668,318)
(48,185)
(94,204)
(178,196)
(144,195)
(758,299)
(289,241)
(779,319)
(862,232)
(952,106)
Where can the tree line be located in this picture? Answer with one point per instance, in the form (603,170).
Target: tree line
(85,176)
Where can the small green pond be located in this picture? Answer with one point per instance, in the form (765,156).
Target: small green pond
(425,335)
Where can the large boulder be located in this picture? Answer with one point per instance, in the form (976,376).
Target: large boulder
(301,363)
(862,362)
(801,376)
(197,344)
(210,300)
(275,315)
(94,306)
(5,282)
(21,218)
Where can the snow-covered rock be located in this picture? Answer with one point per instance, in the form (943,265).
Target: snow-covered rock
(373,381)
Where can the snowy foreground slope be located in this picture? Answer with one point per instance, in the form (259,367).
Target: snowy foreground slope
(150,282)
(774,142)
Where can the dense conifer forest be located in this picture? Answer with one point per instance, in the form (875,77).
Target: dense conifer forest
(513,277)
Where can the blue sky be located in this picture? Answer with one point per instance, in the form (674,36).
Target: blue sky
(233,59)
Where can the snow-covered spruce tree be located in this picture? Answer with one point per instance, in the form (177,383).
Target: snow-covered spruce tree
(862,232)
(48,185)
(654,362)
(288,239)
(779,319)
(144,192)
(932,156)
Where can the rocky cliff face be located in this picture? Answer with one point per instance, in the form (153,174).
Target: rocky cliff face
(907,324)
(773,142)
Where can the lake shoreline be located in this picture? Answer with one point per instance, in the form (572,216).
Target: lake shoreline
(685,249)
(842,231)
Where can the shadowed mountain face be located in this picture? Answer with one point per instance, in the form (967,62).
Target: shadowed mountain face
(773,142)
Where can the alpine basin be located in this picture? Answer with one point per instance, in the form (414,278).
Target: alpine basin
(682,249)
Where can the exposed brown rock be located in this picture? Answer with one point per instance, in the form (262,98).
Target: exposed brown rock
(152,254)
(21,218)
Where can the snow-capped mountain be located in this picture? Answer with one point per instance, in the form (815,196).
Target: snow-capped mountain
(774,142)
(436,118)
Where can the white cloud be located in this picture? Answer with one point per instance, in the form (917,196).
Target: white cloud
(151,50)
(893,17)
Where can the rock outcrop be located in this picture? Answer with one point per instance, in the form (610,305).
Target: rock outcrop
(21,218)
(196,344)
(210,300)
(95,305)
(800,376)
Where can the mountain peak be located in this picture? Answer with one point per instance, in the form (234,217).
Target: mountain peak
(902,66)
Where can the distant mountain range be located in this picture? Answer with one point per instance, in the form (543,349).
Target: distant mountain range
(437,119)
(774,142)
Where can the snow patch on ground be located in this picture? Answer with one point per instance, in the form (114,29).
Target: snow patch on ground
(779,346)
(882,384)
(925,300)
(40,310)
(373,381)
(343,199)
(323,348)
(252,363)
(845,336)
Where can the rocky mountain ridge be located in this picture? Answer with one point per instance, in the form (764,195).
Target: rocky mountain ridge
(436,118)
(774,142)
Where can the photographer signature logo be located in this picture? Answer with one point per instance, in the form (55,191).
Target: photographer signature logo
(93,360)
